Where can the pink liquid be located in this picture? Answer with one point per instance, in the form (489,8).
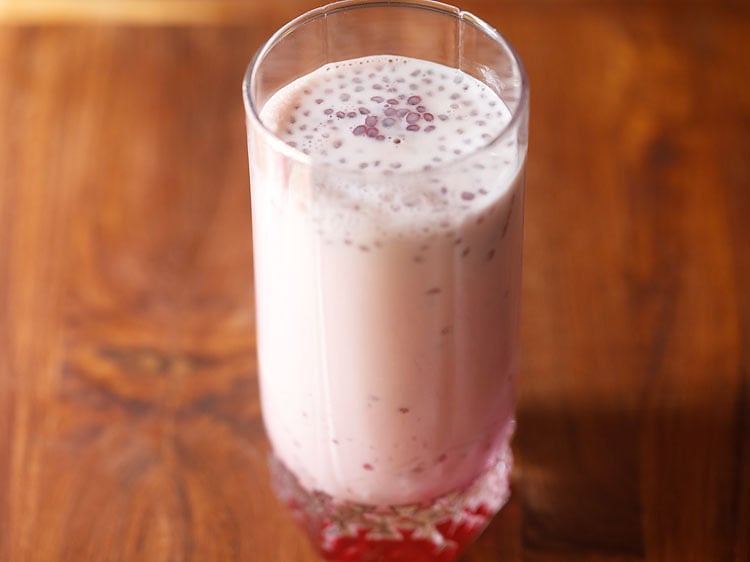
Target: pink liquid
(388,285)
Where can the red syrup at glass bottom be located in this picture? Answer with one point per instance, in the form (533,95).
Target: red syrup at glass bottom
(361,548)
(436,531)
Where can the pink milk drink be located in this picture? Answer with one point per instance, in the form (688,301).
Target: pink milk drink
(387,173)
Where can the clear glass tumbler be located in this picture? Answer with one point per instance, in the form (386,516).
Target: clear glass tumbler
(387,146)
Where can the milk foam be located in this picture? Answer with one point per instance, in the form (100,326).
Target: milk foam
(399,140)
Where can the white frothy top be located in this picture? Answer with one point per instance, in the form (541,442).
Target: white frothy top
(365,122)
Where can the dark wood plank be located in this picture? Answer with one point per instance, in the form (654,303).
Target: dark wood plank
(631,424)
(134,429)
(239,12)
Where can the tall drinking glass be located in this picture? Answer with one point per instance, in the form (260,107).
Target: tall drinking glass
(387,146)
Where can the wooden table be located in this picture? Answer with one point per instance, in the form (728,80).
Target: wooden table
(129,416)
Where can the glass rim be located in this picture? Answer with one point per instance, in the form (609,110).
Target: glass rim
(252,111)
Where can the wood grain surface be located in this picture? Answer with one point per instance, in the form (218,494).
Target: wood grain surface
(129,414)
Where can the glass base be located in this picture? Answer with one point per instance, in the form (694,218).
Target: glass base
(433,531)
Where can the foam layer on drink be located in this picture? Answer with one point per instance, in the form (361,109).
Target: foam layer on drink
(396,139)
(387,278)
(420,114)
